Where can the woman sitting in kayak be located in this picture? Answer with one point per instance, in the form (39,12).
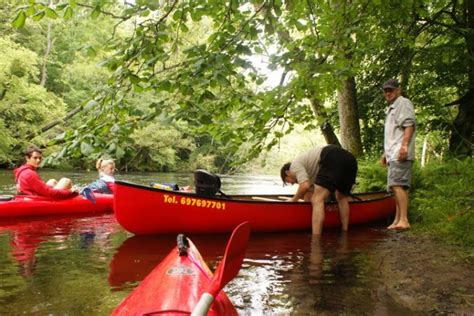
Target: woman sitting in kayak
(106,182)
(28,182)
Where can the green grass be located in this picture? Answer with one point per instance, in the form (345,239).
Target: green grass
(441,199)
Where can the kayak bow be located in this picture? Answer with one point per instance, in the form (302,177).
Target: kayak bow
(175,286)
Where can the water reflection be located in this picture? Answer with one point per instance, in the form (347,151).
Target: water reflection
(281,273)
(28,235)
(138,255)
(301,273)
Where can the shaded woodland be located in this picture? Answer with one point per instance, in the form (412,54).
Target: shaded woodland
(174,85)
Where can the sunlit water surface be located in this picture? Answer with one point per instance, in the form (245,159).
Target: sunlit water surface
(88,265)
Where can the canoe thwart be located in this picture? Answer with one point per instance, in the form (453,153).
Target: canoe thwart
(259,198)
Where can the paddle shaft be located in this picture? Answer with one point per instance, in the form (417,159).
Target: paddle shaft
(203,305)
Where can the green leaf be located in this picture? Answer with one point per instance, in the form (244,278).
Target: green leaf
(134,78)
(30,11)
(62,153)
(38,16)
(145,13)
(19,20)
(86,149)
(277,10)
(183,27)
(61,6)
(119,153)
(50,13)
(96,12)
(207,95)
(137,88)
(72,3)
(60,136)
(91,52)
(68,13)
(90,104)
(177,15)
(222,80)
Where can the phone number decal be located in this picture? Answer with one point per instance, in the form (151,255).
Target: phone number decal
(190,201)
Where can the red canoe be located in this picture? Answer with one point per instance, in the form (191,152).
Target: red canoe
(22,205)
(146,210)
(174,287)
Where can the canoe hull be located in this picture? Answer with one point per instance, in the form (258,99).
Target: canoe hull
(37,206)
(146,210)
(174,288)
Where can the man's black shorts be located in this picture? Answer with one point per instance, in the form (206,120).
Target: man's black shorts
(337,170)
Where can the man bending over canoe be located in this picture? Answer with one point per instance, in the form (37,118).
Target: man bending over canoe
(28,182)
(319,172)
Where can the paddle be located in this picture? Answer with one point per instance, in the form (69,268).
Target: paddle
(227,269)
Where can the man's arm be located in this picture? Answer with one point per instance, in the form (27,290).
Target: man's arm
(36,184)
(407,135)
(302,189)
(383,160)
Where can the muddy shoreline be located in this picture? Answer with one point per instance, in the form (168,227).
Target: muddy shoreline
(424,276)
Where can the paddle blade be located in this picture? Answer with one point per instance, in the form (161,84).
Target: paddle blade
(232,261)
(227,269)
(88,194)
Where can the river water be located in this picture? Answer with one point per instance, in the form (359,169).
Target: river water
(88,265)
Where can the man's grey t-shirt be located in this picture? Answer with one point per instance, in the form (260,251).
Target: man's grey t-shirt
(306,166)
(400,114)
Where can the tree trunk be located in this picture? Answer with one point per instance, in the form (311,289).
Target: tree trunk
(462,134)
(326,128)
(49,46)
(349,118)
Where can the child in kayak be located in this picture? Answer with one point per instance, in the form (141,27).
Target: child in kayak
(106,182)
(28,182)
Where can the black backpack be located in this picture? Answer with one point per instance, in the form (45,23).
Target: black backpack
(206,183)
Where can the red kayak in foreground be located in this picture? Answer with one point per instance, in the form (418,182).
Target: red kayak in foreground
(183,283)
(26,205)
(146,210)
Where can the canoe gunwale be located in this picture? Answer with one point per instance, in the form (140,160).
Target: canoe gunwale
(383,195)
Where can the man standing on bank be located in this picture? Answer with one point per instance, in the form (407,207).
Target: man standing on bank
(319,172)
(399,149)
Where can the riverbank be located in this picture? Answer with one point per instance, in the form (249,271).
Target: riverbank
(441,199)
(430,269)
(425,275)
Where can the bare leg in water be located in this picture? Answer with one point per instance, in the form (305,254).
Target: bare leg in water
(344,210)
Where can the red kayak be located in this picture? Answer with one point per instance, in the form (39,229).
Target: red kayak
(179,283)
(147,210)
(27,205)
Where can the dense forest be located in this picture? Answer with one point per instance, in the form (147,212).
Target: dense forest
(173,84)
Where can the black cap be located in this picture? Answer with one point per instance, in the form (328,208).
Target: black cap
(391,84)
